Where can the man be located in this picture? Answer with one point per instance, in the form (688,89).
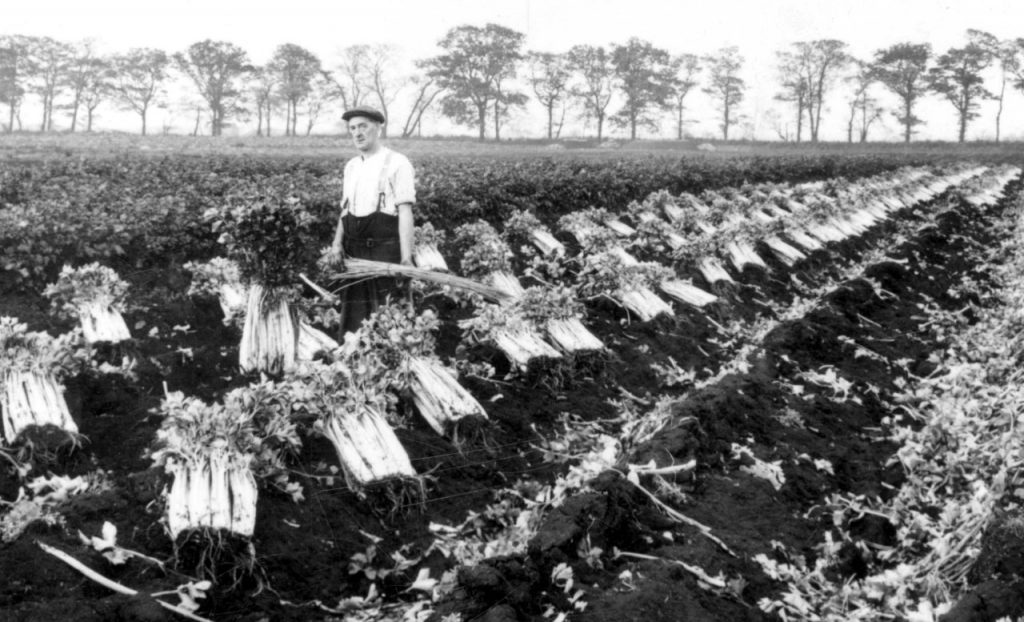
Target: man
(376,214)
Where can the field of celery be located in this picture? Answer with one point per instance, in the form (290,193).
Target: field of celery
(750,386)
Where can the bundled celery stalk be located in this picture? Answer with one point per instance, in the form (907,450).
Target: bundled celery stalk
(786,253)
(222,278)
(685,210)
(987,188)
(486,256)
(654,235)
(775,234)
(427,248)
(439,398)
(559,313)
(215,452)
(270,335)
(30,394)
(620,228)
(311,341)
(95,295)
(588,227)
(699,253)
(503,327)
(351,402)
(584,225)
(686,292)
(605,275)
(209,451)
(524,226)
(740,248)
(272,238)
(405,342)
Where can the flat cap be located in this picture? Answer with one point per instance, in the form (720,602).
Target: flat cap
(363,111)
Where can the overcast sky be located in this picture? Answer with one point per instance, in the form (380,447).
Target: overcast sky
(757,27)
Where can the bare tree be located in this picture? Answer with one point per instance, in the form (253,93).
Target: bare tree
(864,109)
(15,72)
(84,72)
(380,71)
(261,85)
(216,68)
(427,91)
(49,63)
(351,74)
(902,68)
(726,85)
(1007,57)
(795,87)
(685,69)
(294,67)
(824,59)
(957,77)
(596,81)
(139,78)
(322,91)
(781,128)
(95,92)
(549,79)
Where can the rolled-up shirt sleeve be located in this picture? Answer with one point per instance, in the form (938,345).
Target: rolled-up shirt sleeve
(404,182)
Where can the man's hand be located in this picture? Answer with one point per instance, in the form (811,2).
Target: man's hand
(336,259)
(407,261)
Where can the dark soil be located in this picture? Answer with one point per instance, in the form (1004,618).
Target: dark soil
(303,548)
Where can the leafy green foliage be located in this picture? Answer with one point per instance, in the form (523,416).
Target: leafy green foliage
(141,213)
(271,237)
(90,284)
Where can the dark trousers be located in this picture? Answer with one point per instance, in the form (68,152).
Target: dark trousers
(369,237)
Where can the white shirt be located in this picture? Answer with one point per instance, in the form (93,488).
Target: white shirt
(362,181)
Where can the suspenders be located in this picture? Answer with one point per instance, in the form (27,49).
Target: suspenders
(382,183)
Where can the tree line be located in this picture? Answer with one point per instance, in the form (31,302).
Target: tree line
(483,75)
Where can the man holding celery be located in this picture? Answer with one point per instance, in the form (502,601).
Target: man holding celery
(376,214)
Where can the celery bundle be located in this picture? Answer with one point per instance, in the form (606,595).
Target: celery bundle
(427,248)
(686,292)
(351,402)
(518,339)
(524,227)
(95,295)
(220,277)
(273,240)
(209,450)
(485,256)
(606,275)
(405,343)
(557,311)
(270,335)
(30,394)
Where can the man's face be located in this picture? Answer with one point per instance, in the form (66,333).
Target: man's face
(365,132)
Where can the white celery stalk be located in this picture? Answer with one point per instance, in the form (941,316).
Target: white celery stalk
(687,293)
(546,243)
(523,345)
(506,283)
(645,303)
(427,256)
(571,335)
(269,336)
(438,396)
(712,270)
(311,341)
